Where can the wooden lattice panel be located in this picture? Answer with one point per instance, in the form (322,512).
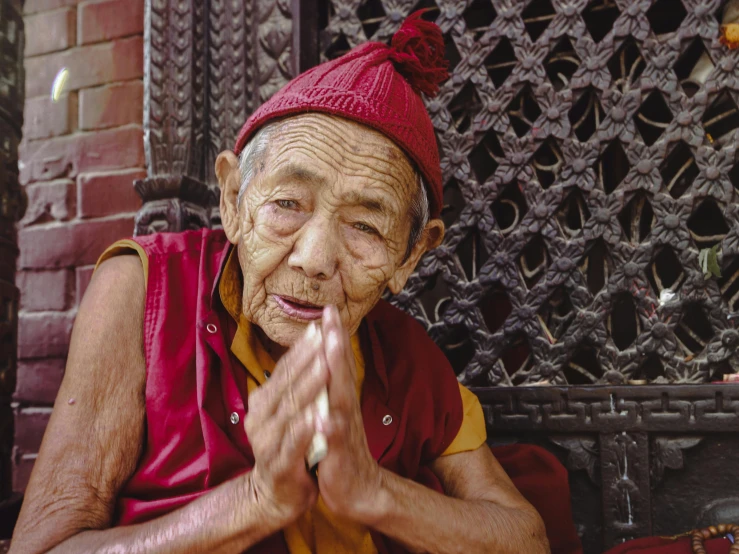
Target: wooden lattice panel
(588,152)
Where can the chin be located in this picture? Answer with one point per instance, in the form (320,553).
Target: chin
(284,333)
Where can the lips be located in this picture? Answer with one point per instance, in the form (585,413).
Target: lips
(298,309)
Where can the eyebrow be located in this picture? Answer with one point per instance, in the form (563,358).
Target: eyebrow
(299,173)
(305,175)
(372,204)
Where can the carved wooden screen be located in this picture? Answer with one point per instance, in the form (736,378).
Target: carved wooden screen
(588,151)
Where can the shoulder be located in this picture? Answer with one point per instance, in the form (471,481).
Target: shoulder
(401,333)
(421,381)
(187,241)
(410,356)
(116,276)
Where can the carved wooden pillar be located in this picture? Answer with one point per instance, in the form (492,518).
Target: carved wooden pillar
(208,65)
(624,463)
(174,193)
(12,206)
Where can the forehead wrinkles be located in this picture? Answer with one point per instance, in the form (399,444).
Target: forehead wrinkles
(347,147)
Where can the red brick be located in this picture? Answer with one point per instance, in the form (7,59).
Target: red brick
(83,276)
(52,201)
(68,156)
(22,467)
(30,424)
(44,335)
(101,20)
(44,118)
(101,194)
(39,380)
(72,244)
(88,66)
(50,31)
(46,290)
(34,6)
(112,105)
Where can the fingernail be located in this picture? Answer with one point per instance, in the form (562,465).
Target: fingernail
(311,332)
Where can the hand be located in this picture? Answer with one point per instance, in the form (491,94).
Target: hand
(280,424)
(349,478)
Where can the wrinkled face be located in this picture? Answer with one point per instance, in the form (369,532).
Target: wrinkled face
(324,220)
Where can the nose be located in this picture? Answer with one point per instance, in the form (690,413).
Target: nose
(315,252)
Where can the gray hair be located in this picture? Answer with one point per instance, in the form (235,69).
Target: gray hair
(255,150)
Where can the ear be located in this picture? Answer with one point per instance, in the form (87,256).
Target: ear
(431,237)
(229,181)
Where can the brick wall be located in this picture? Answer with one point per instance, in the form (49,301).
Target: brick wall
(78,160)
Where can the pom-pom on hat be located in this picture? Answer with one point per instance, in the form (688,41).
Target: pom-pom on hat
(379,86)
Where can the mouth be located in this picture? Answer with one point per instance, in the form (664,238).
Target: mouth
(298,309)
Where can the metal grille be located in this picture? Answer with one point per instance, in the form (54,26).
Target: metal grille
(588,157)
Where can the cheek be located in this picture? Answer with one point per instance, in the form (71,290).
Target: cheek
(369,263)
(278,223)
(363,283)
(261,251)
(368,250)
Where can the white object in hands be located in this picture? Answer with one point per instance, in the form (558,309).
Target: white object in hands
(318,446)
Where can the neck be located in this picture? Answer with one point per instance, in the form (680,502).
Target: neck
(275,350)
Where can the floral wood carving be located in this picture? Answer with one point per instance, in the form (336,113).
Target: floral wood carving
(583,453)
(208,66)
(667,452)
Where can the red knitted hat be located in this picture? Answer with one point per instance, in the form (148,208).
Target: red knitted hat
(379,86)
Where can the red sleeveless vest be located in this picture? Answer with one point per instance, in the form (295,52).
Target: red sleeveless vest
(194,383)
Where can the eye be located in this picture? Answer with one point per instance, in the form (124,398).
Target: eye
(287,204)
(365,228)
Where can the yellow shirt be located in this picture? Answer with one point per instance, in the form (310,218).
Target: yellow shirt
(318,530)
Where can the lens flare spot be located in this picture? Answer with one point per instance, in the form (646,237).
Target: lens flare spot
(57,88)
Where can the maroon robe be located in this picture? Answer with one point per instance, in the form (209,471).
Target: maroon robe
(194,383)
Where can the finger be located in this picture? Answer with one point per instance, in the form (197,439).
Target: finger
(268,436)
(332,322)
(340,360)
(293,363)
(303,391)
(270,430)
(297,439)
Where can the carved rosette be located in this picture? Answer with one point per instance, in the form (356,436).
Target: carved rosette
(12,206)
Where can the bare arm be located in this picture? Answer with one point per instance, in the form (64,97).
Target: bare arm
(93,444)
(482,512)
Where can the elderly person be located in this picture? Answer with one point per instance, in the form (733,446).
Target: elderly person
(189,402)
